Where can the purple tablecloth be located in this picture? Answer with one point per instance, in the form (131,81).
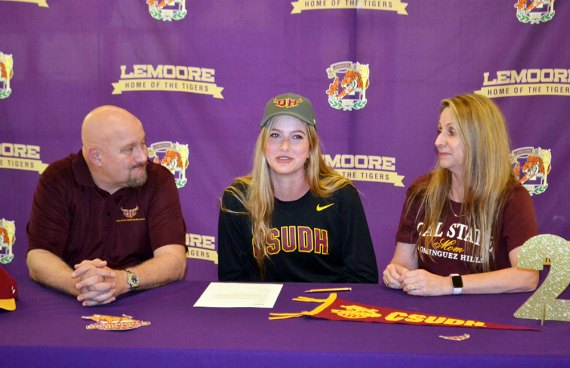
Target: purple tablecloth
(47,330)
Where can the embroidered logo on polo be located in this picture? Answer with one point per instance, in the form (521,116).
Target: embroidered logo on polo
(348,89)
(6,74)
(129,214)
(535,11)
(526,82)
(322,208)
(167,10)
(7,240)
(531,167)
(173,156)
(382,5)
(20,156)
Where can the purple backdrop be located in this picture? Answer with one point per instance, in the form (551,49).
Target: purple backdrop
(199,72)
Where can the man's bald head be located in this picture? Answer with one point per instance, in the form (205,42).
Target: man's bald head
(114,148)
(103,122)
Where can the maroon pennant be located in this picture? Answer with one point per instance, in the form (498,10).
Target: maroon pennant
(337,309)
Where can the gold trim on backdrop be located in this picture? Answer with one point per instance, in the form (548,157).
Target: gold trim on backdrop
(22,164)
(385,5)
(40,3)
(172,85)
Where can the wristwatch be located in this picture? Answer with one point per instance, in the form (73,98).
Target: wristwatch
(457,283)
(132,280)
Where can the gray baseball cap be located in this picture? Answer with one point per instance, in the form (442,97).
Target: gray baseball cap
(290,104)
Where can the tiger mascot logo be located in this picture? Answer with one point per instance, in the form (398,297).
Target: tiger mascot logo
(174,158)
(531,168)
(348,88)
(167,10)
(351,83)
(535,11)
(7,240)
(6,73)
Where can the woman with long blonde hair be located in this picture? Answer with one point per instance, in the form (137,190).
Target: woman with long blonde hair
(293,218)
(463,224)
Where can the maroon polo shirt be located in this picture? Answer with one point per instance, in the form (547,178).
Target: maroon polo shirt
(75,220)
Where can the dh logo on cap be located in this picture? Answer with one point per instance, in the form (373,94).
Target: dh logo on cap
(287,102)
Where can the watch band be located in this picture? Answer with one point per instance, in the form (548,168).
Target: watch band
(457,283)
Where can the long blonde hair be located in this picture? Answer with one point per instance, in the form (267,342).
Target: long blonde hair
(255,190)
(487,173)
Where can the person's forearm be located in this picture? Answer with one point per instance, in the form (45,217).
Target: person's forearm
(405,256)
(405,261)
(508,280)
(49,270)
(168,264)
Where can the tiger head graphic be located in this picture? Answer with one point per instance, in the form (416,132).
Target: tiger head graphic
(533,169)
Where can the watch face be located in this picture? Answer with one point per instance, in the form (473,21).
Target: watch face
(457,281)
(133,280)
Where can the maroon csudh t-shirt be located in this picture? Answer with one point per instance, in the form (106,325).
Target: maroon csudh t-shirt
(75,220)
(454,240)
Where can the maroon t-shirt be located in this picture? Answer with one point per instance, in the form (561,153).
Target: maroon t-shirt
(454,241)
(75,220)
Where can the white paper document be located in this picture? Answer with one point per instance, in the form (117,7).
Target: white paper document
(239,295)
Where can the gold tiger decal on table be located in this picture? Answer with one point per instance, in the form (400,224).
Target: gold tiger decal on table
(109,319)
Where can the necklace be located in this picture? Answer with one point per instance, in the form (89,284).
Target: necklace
(451,207)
